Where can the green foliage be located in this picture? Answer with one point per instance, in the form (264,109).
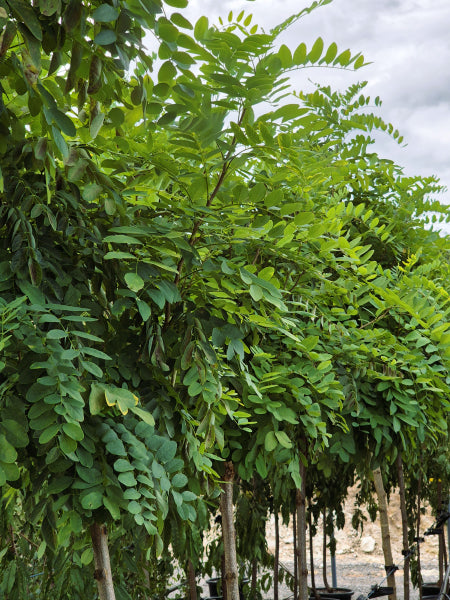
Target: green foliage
(192,270)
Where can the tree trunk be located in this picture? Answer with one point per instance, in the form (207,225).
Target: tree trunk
(223,580)
(294,527)
(229,535)
(441,535)
(192,581)
(254,578)
(419,568)
(277,556)
(301,536)
(311,554)
(102,563)
(324,552)
(384,522)
(402,493)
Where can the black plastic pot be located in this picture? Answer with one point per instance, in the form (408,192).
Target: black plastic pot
(213,585)
(241,588)
(430,589)
(335,594)
(381,591)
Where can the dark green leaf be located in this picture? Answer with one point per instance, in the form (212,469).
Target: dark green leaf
(127,478)
(92,500)
(134,281)
(96,125)
(180,480)
(8,453)
(73,430)
(63,122)
(26,15)
(105,13)
(105,37)
(92,368)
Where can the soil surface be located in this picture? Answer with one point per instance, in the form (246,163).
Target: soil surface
(359,557)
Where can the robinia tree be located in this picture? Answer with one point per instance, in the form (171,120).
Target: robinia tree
(185,258)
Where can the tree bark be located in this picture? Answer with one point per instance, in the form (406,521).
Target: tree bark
(294,527)
(324,552)
(441,535)
(229,535)
(419,567)
(277,556)
(311,554)
(384,522)
(300,501)
(223,580)
(402,493)
(192,581)
(254,578)
(102,563)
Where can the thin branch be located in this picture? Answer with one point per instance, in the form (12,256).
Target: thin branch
(197,223)
(28,540)
(258,252)
(380,316)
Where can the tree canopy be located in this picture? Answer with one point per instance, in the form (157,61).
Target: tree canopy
(197,265)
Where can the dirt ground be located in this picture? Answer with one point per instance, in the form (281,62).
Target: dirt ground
(359,558)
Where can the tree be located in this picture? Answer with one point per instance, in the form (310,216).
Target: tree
(150,337)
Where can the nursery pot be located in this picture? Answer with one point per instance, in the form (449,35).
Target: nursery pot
(334,594)
(245,581)
(430,589)
(381,591)
(213,585)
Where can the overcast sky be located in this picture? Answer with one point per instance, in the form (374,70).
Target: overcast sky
(408,44)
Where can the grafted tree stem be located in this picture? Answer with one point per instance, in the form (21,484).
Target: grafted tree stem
(384,522)
(102,563)
(229,534)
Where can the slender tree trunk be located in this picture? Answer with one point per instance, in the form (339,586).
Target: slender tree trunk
(384,522)
(311,554)
(294,527)
(419,568)
(324,552)
(254,578)
(277,555)
(223,579)
(147,583)
(192,581)
(229,535)
(102,563)
(402,493)
(301,536)
(441,535)
(445,548)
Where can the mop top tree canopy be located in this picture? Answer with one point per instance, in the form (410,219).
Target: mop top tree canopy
(202,272)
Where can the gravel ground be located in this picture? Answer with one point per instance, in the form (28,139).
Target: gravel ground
(359,557)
